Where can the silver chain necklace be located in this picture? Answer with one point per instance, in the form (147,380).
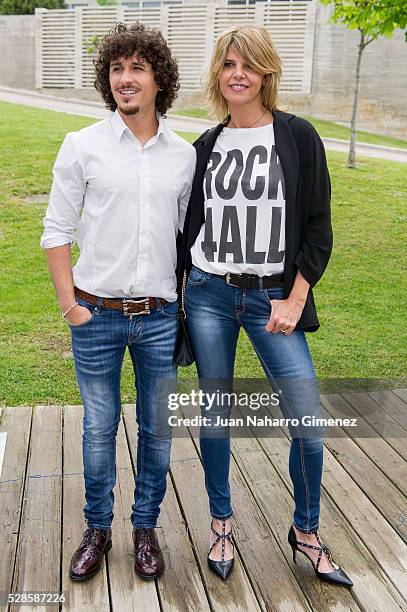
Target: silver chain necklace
(250,126)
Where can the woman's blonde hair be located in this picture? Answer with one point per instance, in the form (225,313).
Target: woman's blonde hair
(254,44)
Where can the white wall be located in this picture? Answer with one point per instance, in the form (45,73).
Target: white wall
(17,66)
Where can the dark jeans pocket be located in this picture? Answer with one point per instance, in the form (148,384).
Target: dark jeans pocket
(274,293)
(91,309)
(197,276)
(170,309)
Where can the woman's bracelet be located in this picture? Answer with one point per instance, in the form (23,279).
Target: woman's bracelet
(68,310)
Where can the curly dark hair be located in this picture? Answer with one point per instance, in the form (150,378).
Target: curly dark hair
(149,43)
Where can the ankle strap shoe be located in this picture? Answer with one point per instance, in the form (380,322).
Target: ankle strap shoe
(337,576)
(223,567)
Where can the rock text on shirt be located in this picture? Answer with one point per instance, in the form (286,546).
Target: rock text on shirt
(255,177)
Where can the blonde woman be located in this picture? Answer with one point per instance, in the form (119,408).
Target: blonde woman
(257,238)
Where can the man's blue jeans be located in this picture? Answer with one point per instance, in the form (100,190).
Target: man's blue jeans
(98,347)
(215,312)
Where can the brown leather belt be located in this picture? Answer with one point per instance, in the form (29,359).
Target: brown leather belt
(127,306)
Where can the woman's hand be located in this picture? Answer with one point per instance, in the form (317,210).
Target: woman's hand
(78,315)
(285,315)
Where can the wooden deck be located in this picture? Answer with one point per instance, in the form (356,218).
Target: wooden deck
(363,518)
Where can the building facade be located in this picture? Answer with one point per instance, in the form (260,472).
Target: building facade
(50,52)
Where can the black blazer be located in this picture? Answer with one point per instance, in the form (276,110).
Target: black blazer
(308,231)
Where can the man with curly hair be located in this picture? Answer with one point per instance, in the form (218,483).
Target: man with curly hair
(120,188)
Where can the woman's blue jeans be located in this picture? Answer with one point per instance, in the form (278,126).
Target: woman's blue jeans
(215,312)
(98,348)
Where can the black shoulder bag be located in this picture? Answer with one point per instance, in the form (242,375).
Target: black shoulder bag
(183,355)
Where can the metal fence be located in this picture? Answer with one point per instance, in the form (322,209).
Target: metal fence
(63,38)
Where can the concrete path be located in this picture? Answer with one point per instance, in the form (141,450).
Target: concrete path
(87,108)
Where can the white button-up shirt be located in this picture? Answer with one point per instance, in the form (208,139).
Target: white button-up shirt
(124,204)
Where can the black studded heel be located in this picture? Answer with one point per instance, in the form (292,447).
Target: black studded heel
(222,567)
(337,576)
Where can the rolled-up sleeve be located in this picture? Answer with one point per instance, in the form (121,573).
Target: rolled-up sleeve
(186,192)
(66,199)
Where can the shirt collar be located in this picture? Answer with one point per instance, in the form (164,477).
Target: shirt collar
(119,126)
(162,126)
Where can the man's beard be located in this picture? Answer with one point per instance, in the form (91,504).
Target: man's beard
(129,110)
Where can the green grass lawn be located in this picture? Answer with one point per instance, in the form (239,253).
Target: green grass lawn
(360,298)
(327,129)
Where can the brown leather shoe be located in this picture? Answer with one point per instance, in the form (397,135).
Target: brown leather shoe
(85,561)
(149,563)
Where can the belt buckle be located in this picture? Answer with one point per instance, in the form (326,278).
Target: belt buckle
(228,280)
(126,303)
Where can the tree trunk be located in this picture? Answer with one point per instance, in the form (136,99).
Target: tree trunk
(352,146)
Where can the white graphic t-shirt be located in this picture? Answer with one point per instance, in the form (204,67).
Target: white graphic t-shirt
(244,192)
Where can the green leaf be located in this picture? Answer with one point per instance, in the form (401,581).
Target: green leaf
(372,17)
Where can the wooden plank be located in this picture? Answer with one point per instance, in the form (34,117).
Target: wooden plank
(93,594)
(387,427)
(392,404)
(16,422)
(127,590)
(374,531)
(236,594)
(39,545)
(377,449)
(261,554)
(213,584)
(256,546)
(369,478)
(402,394)
(359,537)
(276,504)
(180,586)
